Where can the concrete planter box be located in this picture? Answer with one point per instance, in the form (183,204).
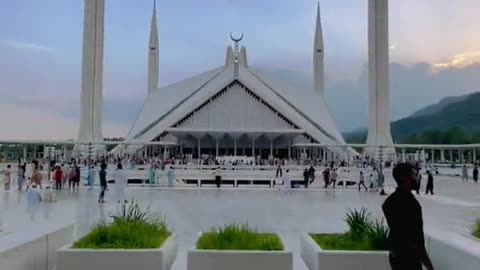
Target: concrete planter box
(239,260)
(34,249)
(318,259)
(118,259)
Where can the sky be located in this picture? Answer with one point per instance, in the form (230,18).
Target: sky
(434,49)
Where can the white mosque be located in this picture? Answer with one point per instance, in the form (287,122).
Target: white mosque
(234,110)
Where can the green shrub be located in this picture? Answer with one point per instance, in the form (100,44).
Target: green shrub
(377,235)
(132,212)
(131,228)
(239,237)
(476,229)
(364,234)
(359,222)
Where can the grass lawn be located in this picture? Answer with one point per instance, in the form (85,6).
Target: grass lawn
(234,237)
(341,242)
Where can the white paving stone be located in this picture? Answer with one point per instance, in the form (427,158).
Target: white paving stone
(191,210)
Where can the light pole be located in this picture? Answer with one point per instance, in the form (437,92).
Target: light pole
(380,159)
(89,164)
(381,176)
(49,157)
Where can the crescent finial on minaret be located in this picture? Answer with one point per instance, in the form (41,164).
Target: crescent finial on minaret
(236,40)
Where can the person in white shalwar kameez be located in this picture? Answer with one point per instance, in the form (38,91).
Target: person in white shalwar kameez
(287,182)
(28,171)
(120,183)
(34,199)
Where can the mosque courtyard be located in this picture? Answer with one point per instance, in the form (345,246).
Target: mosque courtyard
(450,213)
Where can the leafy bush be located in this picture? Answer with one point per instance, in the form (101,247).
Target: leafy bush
(364,234)
(476,229)
(239,237)
(132,212)
(359,221)
(377,235)
(131,228)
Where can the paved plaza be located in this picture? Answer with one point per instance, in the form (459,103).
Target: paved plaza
(189,210)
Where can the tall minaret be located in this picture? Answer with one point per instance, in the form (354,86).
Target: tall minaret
(378,66)
(153,53)
(318,56)
(92,73)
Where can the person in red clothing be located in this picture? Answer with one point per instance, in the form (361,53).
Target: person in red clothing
(58,176)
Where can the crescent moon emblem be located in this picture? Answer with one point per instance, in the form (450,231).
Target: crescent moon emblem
(236,39)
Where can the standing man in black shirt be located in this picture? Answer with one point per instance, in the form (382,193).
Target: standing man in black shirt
(279,172)
(103,182)
(419,180)
(429,183)
(311,173)
(326,177)
(306,177)
(475,174)
(404,217)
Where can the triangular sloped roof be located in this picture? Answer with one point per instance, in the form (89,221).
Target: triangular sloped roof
(311,104)
(164,99)
(169,104)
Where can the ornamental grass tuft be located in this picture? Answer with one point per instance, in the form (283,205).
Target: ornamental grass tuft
(476,229)
(132,228)
(342,241)
(239,237)
(377,235)
(364,234)
(359,222)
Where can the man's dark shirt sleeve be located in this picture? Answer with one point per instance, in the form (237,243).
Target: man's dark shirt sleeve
(404,217)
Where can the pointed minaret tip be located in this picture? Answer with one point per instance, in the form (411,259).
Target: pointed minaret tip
(318,55)
(318,22)
(153,52)
(154,12)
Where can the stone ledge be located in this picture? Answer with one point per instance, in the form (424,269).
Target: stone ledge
(318,259)
(118,259)
(34,249)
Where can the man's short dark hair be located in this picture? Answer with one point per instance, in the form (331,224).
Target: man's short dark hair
(402,172)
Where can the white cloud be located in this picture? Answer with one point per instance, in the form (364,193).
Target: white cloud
(459,60)
(25,46)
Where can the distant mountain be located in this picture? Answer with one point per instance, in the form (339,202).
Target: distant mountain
(435,108)
(461,112)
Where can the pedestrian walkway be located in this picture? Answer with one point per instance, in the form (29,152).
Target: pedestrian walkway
(190,210)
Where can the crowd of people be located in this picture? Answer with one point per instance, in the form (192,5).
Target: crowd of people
(43,180)
(370,177)
(69,174)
